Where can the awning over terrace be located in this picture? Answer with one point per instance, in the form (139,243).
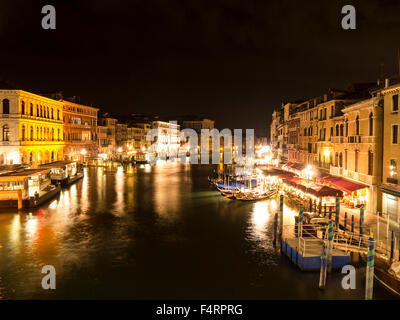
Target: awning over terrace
(318,190)
(343,184)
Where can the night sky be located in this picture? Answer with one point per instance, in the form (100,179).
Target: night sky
(233,61)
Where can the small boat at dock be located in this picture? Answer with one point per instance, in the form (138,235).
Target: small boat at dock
(64,172)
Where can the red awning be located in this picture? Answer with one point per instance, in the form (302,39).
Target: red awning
(346,185)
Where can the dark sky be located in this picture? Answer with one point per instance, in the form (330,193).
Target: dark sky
(231,60)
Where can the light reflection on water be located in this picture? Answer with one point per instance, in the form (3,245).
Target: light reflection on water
(151,232)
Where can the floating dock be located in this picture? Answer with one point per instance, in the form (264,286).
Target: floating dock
(306,253)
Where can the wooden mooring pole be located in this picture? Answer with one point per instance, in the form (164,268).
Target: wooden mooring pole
(322,274)
(369,281)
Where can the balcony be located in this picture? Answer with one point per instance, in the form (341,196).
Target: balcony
(337,139)
(392,180)
(369,139)
(354,139)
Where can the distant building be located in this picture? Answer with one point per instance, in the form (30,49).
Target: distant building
(167,141)
(106,135)
(80,130)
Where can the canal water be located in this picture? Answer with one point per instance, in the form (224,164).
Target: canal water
(154,232)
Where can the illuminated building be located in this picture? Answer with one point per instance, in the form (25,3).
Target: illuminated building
(80,130)
(357,149)
(106,135)
(168,138)
(391,149)
(31,128)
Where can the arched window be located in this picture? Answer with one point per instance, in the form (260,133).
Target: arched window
(347,128)
(371,125)
(336,159)
(337,130)
(58,114)
(357,125)
(340,160)
(31,135)
(6,106)
(37,111)
(52,113)
(22,107)
(6,133)
(52,134)
(41,111)
(23,133)
(58,134)
(48,113)
(31,110)
(341,130)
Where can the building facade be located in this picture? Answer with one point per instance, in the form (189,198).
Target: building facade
(80,130)
(106,136)
(391,151)
(32,128)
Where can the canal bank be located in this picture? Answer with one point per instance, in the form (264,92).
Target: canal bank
(154,232)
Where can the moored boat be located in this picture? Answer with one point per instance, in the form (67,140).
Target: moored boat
(64,172)
(26,188)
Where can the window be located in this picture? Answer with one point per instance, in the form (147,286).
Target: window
(305,132)
(357,125)
(6,106)
(324,134)
(347,128)
(325,114)
(41,111)
(6,133)
(337,130)
(31,136)
(395,102)
(393,168)
(356,160)
(371,125)
(370,163)
(23,133)
(52,113)
(345,159)
(22,107)
(37,111)
(331,132)
(332,115)
(31,110)
(395,133)
(58,114)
